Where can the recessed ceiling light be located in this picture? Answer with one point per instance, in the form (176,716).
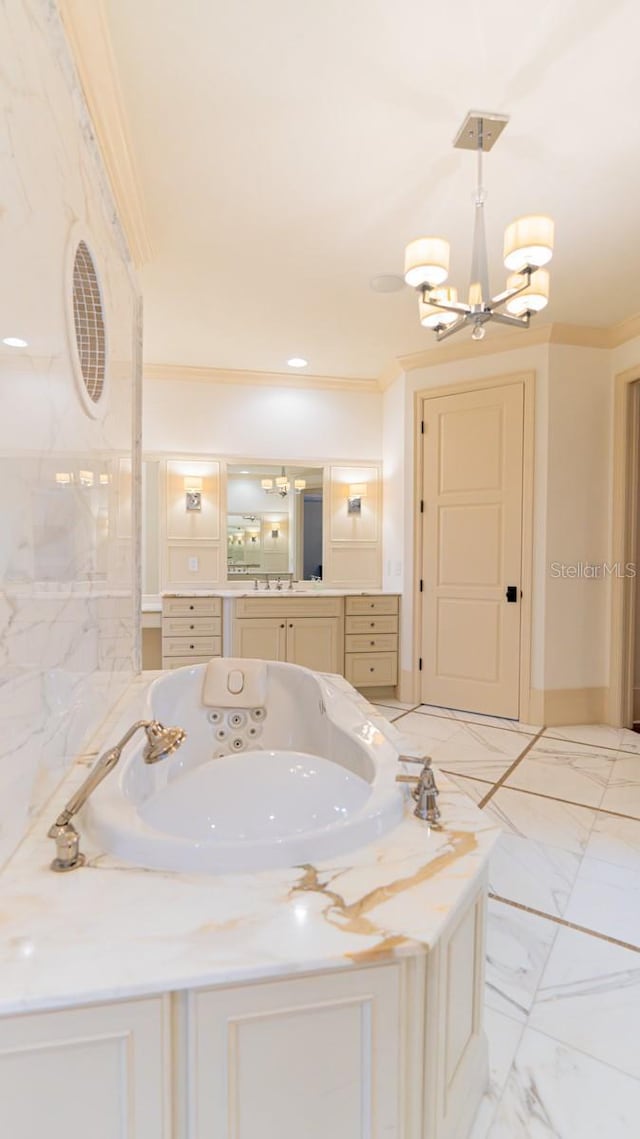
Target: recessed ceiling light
(15,342)
(297,362)
(386,283)
(244,472)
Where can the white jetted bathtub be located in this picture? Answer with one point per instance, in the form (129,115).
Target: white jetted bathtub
(280,768)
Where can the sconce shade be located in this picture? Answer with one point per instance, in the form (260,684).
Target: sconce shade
(192,482)
(266,484)
(357,490)
(528,241)
(532,299)
(282,481)
(299,484)
(426,261)
(432,317)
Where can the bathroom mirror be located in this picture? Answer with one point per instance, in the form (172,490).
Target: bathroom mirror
(274,521)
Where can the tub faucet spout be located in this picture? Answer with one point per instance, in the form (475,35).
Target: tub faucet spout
(161,742)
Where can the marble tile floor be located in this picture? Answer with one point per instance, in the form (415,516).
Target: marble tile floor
(563,943)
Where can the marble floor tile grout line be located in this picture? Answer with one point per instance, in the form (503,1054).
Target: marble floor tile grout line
(569,802)
(503,778)
(557,920)
(581,743)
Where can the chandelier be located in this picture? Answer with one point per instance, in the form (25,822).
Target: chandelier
(528,246)
(282,485)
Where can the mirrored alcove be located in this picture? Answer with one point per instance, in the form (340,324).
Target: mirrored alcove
(274,521)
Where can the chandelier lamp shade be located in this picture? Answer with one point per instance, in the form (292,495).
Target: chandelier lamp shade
(528,247)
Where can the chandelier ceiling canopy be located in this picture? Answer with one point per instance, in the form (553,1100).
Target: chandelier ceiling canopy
(528,247)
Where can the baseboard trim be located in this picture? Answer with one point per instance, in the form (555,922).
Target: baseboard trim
(557,706)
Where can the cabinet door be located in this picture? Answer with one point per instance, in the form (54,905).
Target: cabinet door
(263,638)
(100,1071)
(315,643)
(309,1058)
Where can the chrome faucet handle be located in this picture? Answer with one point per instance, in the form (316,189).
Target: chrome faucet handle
(425,792)
(422,760)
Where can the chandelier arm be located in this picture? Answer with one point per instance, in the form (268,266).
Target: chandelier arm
(448,306)
(452,329)
(518,321)
(502,298)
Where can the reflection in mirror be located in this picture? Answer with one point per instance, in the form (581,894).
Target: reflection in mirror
(274,521)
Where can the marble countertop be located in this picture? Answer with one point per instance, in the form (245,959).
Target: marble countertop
(111,930)
(284,592)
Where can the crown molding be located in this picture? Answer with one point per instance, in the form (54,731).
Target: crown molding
(625,330)
(87,32)
(188,373)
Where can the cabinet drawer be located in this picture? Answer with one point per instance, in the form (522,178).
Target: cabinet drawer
(376,643)
(358,605)
(192,626)
(182,662)
(191,606)
(371,624)
(364,669)
(289,606)
(191,646)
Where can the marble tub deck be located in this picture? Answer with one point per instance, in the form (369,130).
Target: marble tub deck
(563,943)
(111,930)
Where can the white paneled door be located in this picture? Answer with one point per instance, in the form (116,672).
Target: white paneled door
(472,549)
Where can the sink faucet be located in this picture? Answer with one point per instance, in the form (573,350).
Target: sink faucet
(161,742)
(425,792)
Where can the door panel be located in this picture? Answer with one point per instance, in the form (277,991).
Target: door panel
(471,551)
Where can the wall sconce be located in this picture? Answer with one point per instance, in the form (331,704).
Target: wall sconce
(357,491)
(275,533)
(193,493)
(64,478)
(86,478)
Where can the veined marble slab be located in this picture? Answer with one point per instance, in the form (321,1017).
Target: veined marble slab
(112,930)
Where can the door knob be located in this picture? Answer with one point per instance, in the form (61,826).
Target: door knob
(512,593)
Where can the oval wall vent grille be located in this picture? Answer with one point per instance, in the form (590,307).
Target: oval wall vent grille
(88,316)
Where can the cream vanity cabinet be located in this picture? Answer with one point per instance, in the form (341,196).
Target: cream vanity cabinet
(301,630)
(371,641)
(100,1071)
(390,1049)
(191,630)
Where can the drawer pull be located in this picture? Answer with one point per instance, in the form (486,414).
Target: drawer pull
(372,669)
(372,625)
(192,606)
(372,643)
(191,646)
(192,626)
(282,625)
(291,626)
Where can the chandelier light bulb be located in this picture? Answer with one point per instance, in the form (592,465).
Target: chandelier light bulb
(479,332)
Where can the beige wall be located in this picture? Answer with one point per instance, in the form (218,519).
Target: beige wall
(572,498)
(261,422)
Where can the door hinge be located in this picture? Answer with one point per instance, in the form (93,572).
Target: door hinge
(422,427)
(421,585)
(420,665)
(422,506)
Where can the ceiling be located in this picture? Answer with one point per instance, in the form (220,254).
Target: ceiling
(287,151)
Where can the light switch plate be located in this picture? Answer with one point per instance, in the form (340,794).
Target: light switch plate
(193,565)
